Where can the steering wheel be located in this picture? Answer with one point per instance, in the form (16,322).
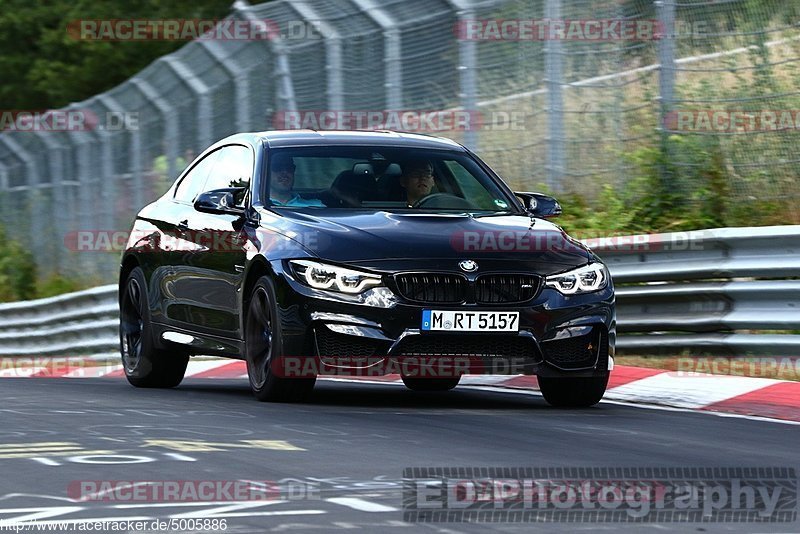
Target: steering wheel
(443,200)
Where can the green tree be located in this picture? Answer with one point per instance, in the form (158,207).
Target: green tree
(45,68)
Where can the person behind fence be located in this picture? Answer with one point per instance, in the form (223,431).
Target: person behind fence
(281,184)
(417,180)
(160,175)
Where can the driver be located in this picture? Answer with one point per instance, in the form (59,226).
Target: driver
(417,180)
(281,191)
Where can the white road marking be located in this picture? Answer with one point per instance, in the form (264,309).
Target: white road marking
(225,504)
(94,371)
(632,404)
(180,457)
(224,511)
(261,514)
(361,505)
(690,391)
(46,461)
(195,368)
(36,513)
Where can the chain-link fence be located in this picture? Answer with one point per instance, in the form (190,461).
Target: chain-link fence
(570,95)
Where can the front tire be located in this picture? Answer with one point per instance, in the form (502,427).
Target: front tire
(573,392)
(263,347)
(145,365)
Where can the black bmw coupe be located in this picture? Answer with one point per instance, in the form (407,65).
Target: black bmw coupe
(361,253)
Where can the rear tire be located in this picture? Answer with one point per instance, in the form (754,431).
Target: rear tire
(263,343)
(145,365)
(430,384)
(573,392)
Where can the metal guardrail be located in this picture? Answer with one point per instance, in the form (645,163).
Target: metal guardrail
(81,323)
(707,290)
(703,291)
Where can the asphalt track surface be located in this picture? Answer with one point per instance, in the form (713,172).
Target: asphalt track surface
(347,447)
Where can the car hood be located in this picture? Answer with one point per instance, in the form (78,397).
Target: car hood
(407,240)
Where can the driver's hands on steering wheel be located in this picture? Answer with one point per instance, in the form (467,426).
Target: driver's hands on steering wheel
(447,200)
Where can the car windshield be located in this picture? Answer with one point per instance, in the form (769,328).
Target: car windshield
(381,178)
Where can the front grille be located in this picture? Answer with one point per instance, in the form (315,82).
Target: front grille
(335,345)
(574,352)
(432,287)
(446,288)
(506,288)
(483,346)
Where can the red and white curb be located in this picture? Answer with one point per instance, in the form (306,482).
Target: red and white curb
(761,397)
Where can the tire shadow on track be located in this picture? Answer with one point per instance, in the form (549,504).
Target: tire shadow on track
(388,396)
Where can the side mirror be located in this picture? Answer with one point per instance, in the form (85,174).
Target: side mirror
(221,201)
(540,205)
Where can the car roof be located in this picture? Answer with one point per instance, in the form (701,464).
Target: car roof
(294,138)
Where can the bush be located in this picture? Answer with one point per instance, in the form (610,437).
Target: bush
(17,270)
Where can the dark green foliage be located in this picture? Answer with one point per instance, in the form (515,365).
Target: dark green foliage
(45,68)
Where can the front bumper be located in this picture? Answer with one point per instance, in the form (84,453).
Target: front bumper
(558,336)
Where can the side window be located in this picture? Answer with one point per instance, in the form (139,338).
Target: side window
(233,168)
(192,184)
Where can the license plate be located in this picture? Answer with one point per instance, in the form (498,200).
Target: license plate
(470,321)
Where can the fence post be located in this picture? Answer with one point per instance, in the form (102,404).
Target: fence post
(5,204)
(284,86)
(392,66)
(665,10)
(83,198)
(467,64)
(37,231)
(236,74)
(333,52)
(666,55)
(108,188)
(201,90)
(554,72)
(137,170)
(170,140)
(58,219)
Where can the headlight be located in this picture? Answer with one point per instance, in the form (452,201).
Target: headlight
(333,278)
(592,277)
